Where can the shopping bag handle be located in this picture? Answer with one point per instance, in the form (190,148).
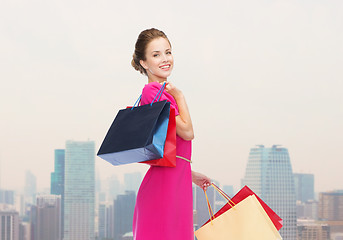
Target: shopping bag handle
(228,199)
(159,94)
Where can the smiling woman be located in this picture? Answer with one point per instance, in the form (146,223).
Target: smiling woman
(159,61)
(164,205)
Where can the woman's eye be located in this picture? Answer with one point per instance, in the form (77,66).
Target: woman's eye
(169,53)
(155,55)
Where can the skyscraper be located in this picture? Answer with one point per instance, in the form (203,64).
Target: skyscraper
(132,181)
(114,187)
(269,174)
(304,186)
(9,224)
(57,181)
(30,187)
(57,177)
(123,213)
(7,196)
(79,190)
(48,217)
(330,210)
(312,230)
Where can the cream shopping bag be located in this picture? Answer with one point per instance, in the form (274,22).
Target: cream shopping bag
(246,220)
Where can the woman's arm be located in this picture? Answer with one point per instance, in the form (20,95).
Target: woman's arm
(184,126)
(201,180)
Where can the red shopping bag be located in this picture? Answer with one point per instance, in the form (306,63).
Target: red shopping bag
(241,195)
(169,155)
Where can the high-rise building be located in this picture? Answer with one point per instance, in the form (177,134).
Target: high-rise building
(7,197)
(311,230)
(132,181)
(269,174)
(106,220)
(304,186)
(330,210)
(30,187)
(57,181)
(307,210)
(123,214)
(79,190)
(9,225)
(48,225)
(114,187)
(57,177)
(24,231)
(102,220)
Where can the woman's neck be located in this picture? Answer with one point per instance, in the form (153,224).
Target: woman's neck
(156,79)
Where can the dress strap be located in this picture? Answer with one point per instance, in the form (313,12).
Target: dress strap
(183,158)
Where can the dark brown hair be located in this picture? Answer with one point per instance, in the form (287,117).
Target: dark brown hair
(144,38)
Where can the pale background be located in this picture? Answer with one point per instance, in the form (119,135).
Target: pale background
(253,72)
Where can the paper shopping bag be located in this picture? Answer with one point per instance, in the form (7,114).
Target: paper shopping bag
(247,220)
(137,134)
(169,155)
(241,195)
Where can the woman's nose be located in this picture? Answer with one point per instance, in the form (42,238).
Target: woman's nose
(164,58)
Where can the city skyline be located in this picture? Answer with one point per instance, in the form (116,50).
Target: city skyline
(253,72)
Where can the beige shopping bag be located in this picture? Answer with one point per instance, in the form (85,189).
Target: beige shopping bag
(246,220)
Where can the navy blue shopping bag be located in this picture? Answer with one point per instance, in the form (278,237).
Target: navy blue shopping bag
(137,134)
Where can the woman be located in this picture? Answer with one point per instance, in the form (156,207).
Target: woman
(164,205)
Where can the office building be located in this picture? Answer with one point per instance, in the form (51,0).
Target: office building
(57,181)
(307,210)
(79,190)
(57,177)
(30,187)
(330,210)
(304,186)
(123,214)
(132,181)
(311,230)
(114,187)
(48,225)
(269,174)
(9,224)
(7,197)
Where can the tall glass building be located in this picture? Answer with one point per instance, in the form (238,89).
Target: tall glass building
(269,174)
(304,186)
(57,177)
(79,190)
(57,182)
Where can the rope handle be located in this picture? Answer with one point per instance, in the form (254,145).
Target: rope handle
(159,94)
(230,202)
(228,199)
(209,207)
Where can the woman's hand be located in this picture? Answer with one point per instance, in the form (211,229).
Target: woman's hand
(201,180)
(172,90)
(184,127)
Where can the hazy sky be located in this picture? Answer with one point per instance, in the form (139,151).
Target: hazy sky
(253,72)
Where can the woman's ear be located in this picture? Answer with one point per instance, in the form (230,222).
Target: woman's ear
(143,64)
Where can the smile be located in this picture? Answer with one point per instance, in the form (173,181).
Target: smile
(165,67)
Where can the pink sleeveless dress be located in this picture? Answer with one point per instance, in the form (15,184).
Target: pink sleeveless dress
(164,205)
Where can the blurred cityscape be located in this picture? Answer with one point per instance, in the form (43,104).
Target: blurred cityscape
(80,206)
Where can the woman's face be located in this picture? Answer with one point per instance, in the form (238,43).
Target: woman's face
(159,60)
